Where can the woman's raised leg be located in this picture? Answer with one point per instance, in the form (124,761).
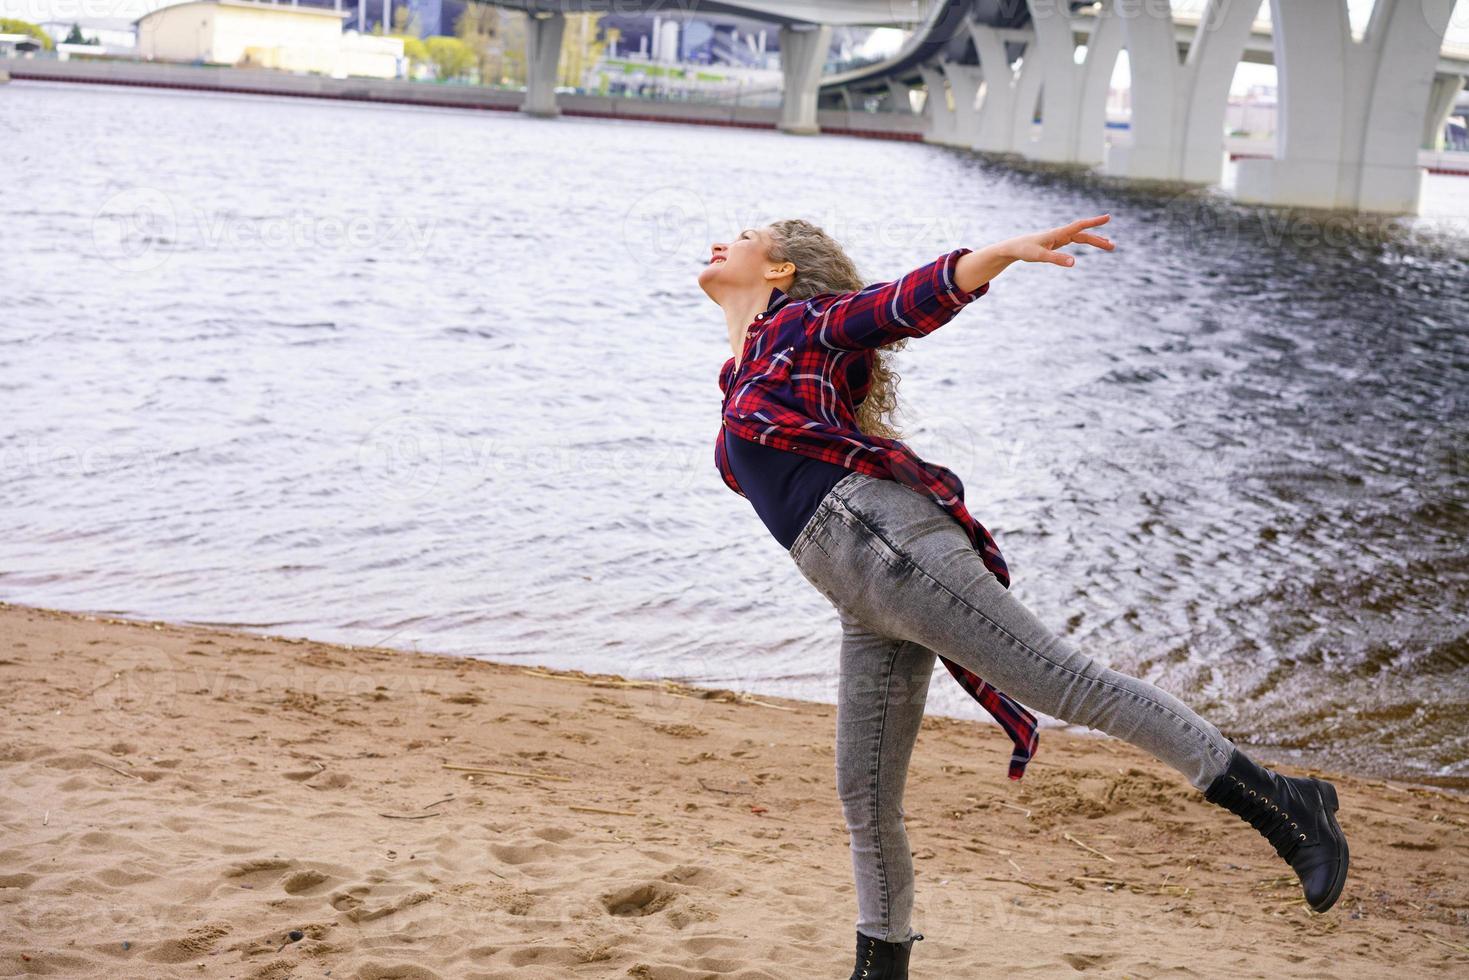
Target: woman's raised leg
(898,562)
(907,569)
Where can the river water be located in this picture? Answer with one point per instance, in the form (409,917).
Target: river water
(444,380)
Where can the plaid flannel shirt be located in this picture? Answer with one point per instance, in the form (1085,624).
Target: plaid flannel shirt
(806,364)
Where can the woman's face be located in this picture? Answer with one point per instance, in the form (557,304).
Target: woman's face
(735,264)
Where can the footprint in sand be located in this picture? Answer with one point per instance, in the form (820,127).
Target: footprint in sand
(556,835)
(304,882)
(559,955)
(197,942)
(352,902)
(294,877)
(1087,961)
(394,971)
(638,900)
(257,866)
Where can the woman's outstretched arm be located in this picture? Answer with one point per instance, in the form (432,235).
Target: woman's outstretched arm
(931,295)
(977,268)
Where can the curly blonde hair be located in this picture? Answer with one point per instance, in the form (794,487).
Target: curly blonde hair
(823,266)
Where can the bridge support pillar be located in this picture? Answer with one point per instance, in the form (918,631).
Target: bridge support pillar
(542,62)
(964,82)
(1009,95)
(1351,113)
(1074,112)
(936,107)
(802,56)
(1446,88)
(1178,109)
(900,96)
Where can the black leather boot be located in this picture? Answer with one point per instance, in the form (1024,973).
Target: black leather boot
(1296,816)
(878,960)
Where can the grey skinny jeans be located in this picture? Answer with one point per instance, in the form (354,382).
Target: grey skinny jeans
(908,585)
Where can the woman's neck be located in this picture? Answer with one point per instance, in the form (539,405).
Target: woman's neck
(739,312)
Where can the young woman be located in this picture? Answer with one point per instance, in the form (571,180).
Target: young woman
(886,538)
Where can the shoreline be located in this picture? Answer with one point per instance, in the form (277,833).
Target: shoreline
(1300,759)
(398,92)
(172,76)
(178,799)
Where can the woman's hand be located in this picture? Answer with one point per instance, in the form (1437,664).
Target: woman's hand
(1042,246)
(979,267)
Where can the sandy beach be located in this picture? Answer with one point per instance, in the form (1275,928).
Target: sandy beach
(185,802)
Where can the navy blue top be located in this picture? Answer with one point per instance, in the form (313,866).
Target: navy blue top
(785,487)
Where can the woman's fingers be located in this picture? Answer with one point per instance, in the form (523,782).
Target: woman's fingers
(1043,247)
(1087,238)
(1069,233)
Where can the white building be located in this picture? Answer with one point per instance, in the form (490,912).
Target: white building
(265,35)
(665,39)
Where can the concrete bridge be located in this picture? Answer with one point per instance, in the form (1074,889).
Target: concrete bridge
(1352,115)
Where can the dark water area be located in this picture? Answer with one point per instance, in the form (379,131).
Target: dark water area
(1325,495)
(445,380)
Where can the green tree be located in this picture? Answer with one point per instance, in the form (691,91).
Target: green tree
(416,52)
(479,28)
(512,49)
(580,49)
(451,57)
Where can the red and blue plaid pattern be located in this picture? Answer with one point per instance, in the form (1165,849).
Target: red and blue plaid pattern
(805,367)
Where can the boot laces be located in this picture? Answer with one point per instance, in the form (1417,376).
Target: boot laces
(1266,816)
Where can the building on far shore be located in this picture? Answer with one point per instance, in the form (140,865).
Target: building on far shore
(249,34)
(18,46)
